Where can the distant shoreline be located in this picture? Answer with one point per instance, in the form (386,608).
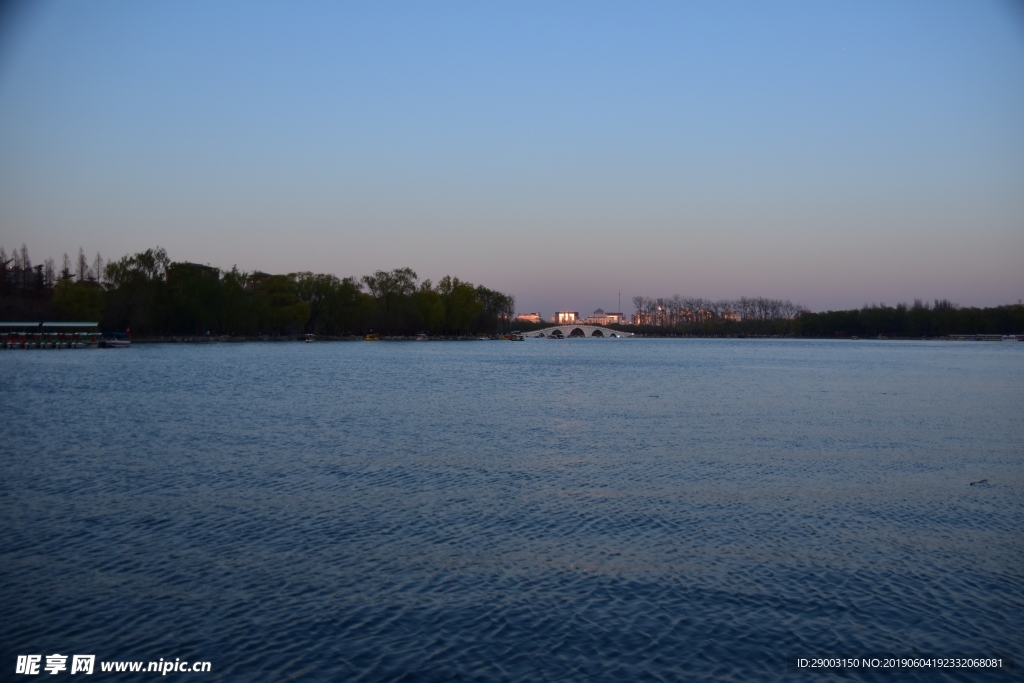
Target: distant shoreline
(221,339)
(203,339)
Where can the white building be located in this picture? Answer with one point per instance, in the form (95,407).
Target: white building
(602,318)
(565,317)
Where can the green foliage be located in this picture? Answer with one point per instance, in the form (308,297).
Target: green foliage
(137,296)
(920,320)
(150,295)
(391,290)
(428,306)
(460,303)
(767,317)
(281,309)
(496,310)
(145,267)
(78,301)
(239,315)
(334,304)
(195,293)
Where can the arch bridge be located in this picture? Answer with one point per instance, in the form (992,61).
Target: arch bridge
(574,330)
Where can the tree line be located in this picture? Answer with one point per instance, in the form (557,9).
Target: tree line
(695,316)
(154,296)
(774,317)
(920,319)
(150,295)
(679,310)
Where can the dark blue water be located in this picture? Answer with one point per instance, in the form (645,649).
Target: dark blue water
(588,510)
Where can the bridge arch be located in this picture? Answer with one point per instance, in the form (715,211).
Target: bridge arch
(577,331)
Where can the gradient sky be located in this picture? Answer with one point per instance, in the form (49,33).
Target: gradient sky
(832,153)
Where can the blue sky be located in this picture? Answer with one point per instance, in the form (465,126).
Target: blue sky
(832,153)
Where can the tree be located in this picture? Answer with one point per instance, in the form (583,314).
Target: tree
(83,266)
(194,298)
(347,307)
(65,269)
(389,290)
(281,308)
(315,292)
(97,267)
(78,301)
(145,266)
(460,304)
(332,302)
(429,309)
(4,270)
(496,309)
(238,310)
(138,297)
(150,295)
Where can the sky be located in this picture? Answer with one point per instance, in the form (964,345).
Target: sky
(831,153)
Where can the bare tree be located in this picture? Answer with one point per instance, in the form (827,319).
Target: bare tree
(645,310)
(24,264)
(65,268)
(15,269)
(680,310)
(49,274)
(83,266)
(97,267)
(676,307)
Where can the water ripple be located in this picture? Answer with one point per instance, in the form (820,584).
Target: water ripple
(595,510)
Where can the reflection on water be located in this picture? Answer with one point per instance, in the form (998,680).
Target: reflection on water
(591,510)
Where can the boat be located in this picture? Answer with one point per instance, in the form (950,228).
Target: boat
(310,338)
(114,340)
(373,336)
(421,337)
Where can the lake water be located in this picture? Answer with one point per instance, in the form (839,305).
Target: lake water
(578,510)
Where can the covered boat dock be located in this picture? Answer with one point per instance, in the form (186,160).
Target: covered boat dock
(46,335)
